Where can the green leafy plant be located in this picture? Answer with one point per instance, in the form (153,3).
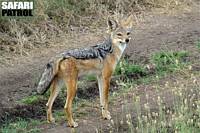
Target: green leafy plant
(169,61)
(126,68)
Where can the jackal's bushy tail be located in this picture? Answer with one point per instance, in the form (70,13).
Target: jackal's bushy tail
(47,76)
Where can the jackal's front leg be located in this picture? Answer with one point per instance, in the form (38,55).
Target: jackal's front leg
(100,85)
(106,86)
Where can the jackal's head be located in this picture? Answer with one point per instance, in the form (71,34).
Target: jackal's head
(120,30)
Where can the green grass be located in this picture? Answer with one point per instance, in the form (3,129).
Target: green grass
(198,44)
(165,61)
(89,78)
(169,60)
(31,99)
(126,68)
(21,126)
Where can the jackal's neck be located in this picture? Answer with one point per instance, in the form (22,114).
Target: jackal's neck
(118,49)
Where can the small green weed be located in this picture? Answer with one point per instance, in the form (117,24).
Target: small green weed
(169,61)
(90,78)
(198,44)
(126,68)
(30,99)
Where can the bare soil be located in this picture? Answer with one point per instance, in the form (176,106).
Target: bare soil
(157,31)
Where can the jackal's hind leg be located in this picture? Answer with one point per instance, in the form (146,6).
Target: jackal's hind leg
(53,94)
(71,92)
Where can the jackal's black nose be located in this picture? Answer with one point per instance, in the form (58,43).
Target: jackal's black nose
(127,40)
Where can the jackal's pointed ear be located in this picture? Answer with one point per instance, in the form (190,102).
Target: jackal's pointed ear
(128,23)
(112,24)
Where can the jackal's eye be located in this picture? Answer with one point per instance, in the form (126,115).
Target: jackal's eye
(119,34)
(128,33)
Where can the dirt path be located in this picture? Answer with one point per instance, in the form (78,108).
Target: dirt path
(157,32)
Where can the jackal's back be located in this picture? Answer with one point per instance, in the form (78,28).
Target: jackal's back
(98,51)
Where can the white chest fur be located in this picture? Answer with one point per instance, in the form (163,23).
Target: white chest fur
(121,47)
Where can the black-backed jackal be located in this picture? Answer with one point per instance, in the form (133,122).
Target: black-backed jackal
(100,60)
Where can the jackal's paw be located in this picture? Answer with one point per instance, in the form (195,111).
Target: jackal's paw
(106,114)
(51,120)
(73,124)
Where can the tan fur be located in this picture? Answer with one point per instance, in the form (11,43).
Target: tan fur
(70,68)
